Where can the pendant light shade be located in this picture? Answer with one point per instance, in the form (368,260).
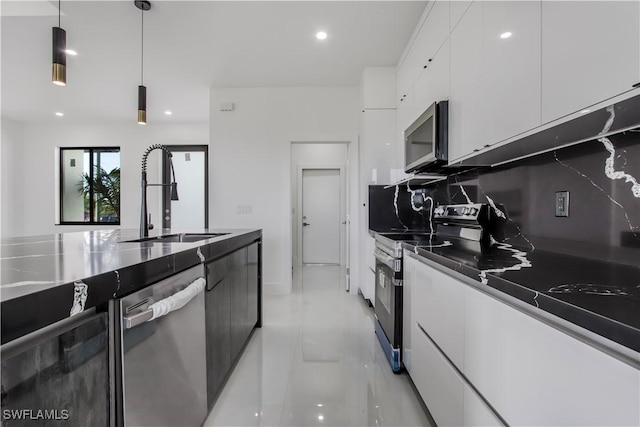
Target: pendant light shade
(59,56)
(142,105)
(142,89)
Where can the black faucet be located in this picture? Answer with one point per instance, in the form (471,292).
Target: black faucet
(145,225)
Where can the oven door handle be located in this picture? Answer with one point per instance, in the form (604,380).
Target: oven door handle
(167,305)
(384,258)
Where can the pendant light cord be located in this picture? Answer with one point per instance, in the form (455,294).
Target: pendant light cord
(141,50)
(59,12)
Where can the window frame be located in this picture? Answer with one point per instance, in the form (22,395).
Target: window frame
(91,151)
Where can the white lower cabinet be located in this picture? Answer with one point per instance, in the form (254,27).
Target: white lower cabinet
(440,386)
(476,412)
(534,374)
(529,372)
(440,310)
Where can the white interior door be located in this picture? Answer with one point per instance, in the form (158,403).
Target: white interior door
(190,210)
(320,216)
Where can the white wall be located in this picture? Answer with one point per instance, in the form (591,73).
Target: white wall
(250,160)
(31,208)
(12,200)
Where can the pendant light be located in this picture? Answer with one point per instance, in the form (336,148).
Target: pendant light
(59,62)
(143,5)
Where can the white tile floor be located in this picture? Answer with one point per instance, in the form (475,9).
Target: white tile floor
(316,361)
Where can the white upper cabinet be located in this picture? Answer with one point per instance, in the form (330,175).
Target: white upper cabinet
(405,116)
(457,9)
(432,34)
(495,75)
(511,68)
(466,98)
(433,83)
(590,52)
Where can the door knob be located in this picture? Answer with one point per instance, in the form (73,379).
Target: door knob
(305,224)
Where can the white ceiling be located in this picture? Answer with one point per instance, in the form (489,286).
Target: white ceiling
(189,47)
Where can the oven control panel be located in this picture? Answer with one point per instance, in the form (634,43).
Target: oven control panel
(468,212)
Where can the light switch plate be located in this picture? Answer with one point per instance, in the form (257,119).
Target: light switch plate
(562,203)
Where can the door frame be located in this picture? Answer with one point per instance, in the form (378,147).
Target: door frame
(166,172)
(343,203)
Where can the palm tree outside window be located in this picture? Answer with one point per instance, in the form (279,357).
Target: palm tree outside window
(90,185)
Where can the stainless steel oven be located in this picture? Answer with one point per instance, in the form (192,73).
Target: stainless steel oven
(388,298)
(471,225)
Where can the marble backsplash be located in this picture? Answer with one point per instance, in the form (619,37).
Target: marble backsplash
(603,180)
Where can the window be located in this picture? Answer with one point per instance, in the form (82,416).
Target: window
(90,185)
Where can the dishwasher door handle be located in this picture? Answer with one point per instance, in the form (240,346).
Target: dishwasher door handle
(166,305)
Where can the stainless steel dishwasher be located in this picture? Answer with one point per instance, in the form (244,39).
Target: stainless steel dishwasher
(164,352)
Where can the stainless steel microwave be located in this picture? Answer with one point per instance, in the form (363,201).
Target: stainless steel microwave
(426,143)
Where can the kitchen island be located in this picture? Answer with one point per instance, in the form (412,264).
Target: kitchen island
(63,323)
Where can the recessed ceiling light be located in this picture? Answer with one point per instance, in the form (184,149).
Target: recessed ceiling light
(321,35)
(71,52)
(506,35)
(586,110)
(387,143)
(59,114)
(168,113)
(320,417)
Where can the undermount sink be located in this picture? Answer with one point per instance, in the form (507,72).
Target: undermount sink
(178,238)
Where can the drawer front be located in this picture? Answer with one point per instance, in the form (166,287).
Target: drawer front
(440,386)
(439,308)
(476,412)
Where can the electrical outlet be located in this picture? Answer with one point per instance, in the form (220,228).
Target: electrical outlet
(244,209)
(562,203)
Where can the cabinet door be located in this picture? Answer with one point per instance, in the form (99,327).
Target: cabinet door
(520,365)
(253,287)
(590,52)
(511,69)
(408,72)
(466,101)
(408,302)
(239,301)
(439,308)
(218,326)
(64,372)
(405,116)
(377,144)
(457,9)
(476,412)
(438,383)
(433,83)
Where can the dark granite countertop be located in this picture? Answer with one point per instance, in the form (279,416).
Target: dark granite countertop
(44,278)
(602,297)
